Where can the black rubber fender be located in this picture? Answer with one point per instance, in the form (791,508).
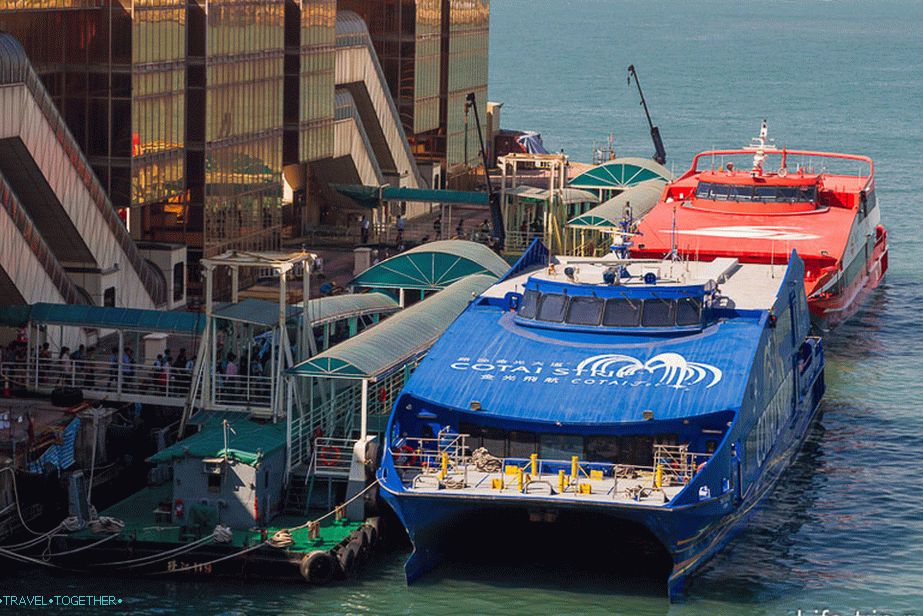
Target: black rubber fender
(375,525)
(347,558)
(370,534)
(318,567)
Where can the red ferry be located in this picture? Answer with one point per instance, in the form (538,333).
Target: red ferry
(831,217)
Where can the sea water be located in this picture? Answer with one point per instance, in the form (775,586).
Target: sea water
(844,529)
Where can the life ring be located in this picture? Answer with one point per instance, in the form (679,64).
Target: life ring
(407,457)
(328,455)
(318,567)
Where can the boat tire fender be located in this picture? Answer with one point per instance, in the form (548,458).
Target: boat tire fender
(318,567)
(347,558)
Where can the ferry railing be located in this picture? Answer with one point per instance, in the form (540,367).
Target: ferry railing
(445,460)
(332,457)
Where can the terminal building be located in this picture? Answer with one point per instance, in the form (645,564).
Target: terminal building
(210,125)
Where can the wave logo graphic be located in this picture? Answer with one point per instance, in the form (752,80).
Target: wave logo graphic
(673,369)
(749,232)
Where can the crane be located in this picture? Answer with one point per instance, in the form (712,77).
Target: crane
(494,199)
(660,155)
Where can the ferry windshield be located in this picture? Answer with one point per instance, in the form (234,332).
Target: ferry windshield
(615,312)
(757,194)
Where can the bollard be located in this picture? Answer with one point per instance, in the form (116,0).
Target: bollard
(519,483)
(574,467)
(313,530)
(658,476)
(533,465)
(444,470)
(561,481)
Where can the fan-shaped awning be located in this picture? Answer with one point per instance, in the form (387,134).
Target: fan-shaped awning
(642,198)
(621,173)
(432,266)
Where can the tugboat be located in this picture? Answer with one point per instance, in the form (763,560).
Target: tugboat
(758,215)
(610,401)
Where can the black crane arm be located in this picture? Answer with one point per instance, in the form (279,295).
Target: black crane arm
(660,154)
(494,199)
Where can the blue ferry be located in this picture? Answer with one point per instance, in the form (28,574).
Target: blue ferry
(653,403)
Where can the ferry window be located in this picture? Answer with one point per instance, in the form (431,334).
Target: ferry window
(622,313)
(688,311)
(529,304)
(765,193)
(561,446)
(657,313)
(584,311)
(522,444)
(602,449)
(701,191)
(494,440)
(552,307)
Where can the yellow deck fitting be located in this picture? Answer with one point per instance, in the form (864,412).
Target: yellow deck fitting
(584,488)
(533,464)
(597,475)
(511,469)
(496,483)
(562,481)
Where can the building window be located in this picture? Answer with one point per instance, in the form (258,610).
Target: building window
(109,297)
(214,482)
(179,281)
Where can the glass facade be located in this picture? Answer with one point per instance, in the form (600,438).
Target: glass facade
(317,80)
(407,37)
(158,112)
(466,66)
(244,66)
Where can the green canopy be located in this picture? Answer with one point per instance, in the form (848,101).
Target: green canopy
(432,266)
(608,215)
(248,442)
(621,173)
(407,335)
(102,317)
(372,196)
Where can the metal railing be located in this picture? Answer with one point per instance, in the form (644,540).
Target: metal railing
(99,378)
(242,390)
(446,462)
(332,457)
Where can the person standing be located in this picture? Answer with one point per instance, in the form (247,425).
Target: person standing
(400,229)
(364,227)
(437,226)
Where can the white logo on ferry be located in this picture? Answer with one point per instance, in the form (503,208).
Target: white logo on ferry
(748,232)
(674,370)
(663,370)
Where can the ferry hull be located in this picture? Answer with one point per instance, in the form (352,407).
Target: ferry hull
(829,310)
(690,535)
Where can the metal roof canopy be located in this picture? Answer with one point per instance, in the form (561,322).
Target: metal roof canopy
(104,317)
(621,173)
(378,351)
(320,310)
(372,196)
(565,195)
(609,215)
(337,307)
(432,266)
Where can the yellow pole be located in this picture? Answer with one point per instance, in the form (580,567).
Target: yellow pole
(561,481)
(573,467)
(658,477)
(533,461)
(445,465)
(519,478)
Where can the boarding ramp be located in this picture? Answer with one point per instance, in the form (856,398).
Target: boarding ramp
(121,348)
(29,271)
(55,185)
(358,70)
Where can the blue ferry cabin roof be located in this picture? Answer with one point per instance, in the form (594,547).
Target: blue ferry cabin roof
(489,360)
